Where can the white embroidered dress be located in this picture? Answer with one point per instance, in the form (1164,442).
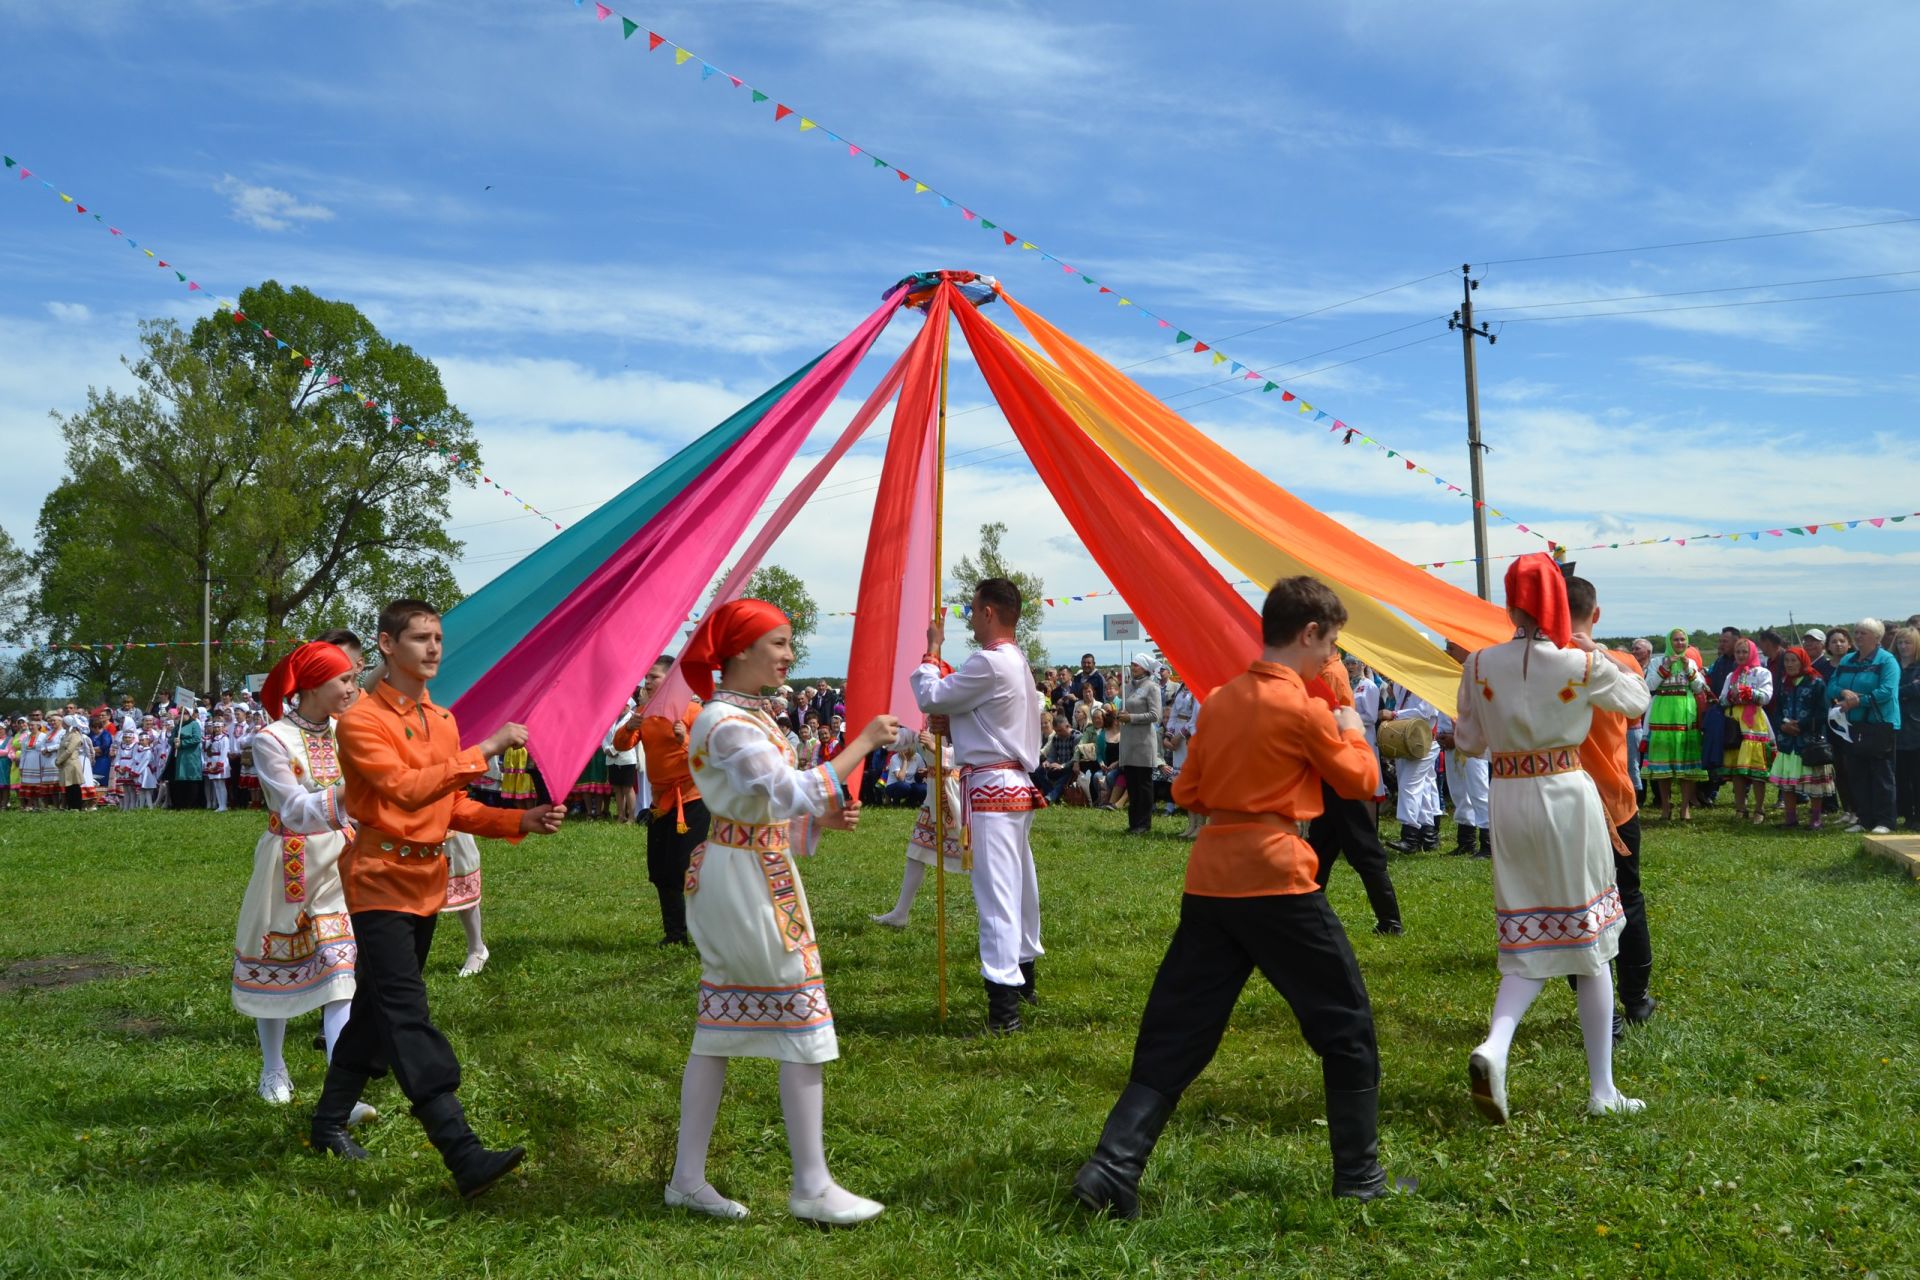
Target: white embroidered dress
(920,843)
(293,949)
(1556,905)
(762,994)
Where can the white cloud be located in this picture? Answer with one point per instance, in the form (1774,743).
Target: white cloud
(268,208)
(70,312)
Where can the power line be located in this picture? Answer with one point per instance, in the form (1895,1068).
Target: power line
(1714,306)
(1689,293)
(1690,244)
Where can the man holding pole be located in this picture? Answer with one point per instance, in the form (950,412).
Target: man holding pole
(986,709)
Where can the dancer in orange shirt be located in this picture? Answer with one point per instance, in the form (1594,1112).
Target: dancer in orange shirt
(679,819)
(406,778)
(1261,751)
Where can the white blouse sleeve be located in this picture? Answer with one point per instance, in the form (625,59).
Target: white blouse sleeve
(1612,687)
(756,767)
(971,684)
(302,811)
(1468,737)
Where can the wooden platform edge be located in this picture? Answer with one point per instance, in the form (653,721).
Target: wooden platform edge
(1901,851)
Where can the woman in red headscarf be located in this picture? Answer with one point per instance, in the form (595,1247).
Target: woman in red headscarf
(1749,753)
(1530,702)
(293,950)
(761,992)
(1803,766)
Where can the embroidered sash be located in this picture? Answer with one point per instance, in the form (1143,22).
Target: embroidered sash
(1536,764)
(769,843)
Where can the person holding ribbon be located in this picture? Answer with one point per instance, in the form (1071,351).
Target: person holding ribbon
(405,779)
(1557,907)
(678,820)
(293,949)
(762,993)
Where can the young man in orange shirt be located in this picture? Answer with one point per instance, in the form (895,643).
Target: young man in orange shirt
(1259,755)
(406,779)
(679,820)
(1604,757)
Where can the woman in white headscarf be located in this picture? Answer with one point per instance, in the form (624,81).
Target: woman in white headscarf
(1140,717)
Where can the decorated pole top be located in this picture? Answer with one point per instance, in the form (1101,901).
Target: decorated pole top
(920,287)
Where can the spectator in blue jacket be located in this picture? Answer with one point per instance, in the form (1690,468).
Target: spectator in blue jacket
(1866,684)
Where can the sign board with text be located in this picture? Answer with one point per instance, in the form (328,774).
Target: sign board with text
(1121,626)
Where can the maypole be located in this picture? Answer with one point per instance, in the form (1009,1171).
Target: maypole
(940,739)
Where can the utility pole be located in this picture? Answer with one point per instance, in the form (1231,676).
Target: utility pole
(1463,321)
(206,627)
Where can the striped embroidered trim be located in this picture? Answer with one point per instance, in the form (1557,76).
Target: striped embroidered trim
(754,836)
(1536,764)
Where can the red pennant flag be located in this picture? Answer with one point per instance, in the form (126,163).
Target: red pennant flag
(903,175)
(1198,347)
(158,263)
(1409,465)
(79,208)
(1286,395)
(781,112)
(1009,237)
(1104,289)
(654,41)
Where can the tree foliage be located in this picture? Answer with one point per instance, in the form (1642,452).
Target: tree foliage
(230,460)
(991,563)
(777,586)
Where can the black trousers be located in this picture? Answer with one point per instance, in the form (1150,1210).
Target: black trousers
(188,795)
(1635,961)
(1139,797)
(1870,785)
(1906,785)
(1344,827)
(73,796)
(390,1027)
(668,852)
(1296,942)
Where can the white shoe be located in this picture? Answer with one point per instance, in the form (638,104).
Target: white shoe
(1621,1104)
(838,1208)
(1855,829)
(1487,1082)
(889,919)
(276,1087)
(1880,831)
(476,961)
(360,1114)
(706,1200)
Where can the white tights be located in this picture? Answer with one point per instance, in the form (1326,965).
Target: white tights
(1595,998)
(273,1033)
(802,1105)
(916,874)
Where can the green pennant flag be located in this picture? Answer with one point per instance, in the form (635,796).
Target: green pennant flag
(986,226)
(759,96)
(1270,386)
(878,163)
(1088,279)
(627,27)
(10,161)
(183,279)
(1801,532)
(1183,337)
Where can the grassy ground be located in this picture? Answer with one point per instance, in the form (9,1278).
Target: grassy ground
(1779,1140)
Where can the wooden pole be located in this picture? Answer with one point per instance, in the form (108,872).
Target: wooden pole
(939,805)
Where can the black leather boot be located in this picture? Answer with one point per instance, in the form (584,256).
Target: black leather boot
(1633,980)
(1467,842)
(1027,992)
(1353,1133)
(1432,834)
(1003,1009)
(329,1130)
(1410,840)
(474,1167)
(1386,909)
(1485,849)
(1110,1181)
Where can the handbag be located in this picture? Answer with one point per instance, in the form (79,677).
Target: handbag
(1873,737)
(1816,751)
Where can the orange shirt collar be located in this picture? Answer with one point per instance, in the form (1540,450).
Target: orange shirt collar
(400,701)
(1276,670)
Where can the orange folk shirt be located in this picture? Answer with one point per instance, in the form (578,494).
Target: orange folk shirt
(1331,686)
(1604,756)
(669,776)
(1262,746)
(406,780)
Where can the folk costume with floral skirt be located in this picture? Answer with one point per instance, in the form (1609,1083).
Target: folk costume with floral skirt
(1803,702)
(1673,721)
(1749,734)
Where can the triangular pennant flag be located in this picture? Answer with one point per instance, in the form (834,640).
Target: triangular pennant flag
(1009,237)
(1288,395)
(680,56)
(737,82)
(878,163)
(919,188)
(1183,337)
(805,124)
(601,12)
(1198,347)
(1251,377)
(79,208)
(945,203)
(1270,386)
(903,175)
(654,41)
(1801,532)
(1219,357)
(988,226)
(1237,366)
(706,71)
(1877,522)
(968,214)
(852,150)
(627,27)
(781,111)
(1027,244)
(10,161)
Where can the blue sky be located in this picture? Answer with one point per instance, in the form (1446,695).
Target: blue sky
(654,250)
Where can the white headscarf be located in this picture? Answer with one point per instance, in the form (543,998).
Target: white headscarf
(1146,662)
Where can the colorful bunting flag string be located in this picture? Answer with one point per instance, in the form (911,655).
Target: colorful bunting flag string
(1241,371)
(335,382)
(1751,535)
(59,646)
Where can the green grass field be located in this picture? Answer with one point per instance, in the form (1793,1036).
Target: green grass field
(1780,1136)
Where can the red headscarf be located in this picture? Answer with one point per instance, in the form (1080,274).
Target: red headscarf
(727,632)
(1536,585)
(1806,663)
(309,666)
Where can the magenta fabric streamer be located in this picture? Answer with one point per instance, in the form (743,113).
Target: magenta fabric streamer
(571,675)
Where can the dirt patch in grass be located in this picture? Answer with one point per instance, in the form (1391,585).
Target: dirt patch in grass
(52,973)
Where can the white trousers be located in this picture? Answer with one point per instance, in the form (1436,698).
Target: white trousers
(1006,892)
(1468,778)
(1419,802)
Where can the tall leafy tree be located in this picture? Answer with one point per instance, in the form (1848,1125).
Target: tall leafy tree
(233,461)
(776,585)
(991,562)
